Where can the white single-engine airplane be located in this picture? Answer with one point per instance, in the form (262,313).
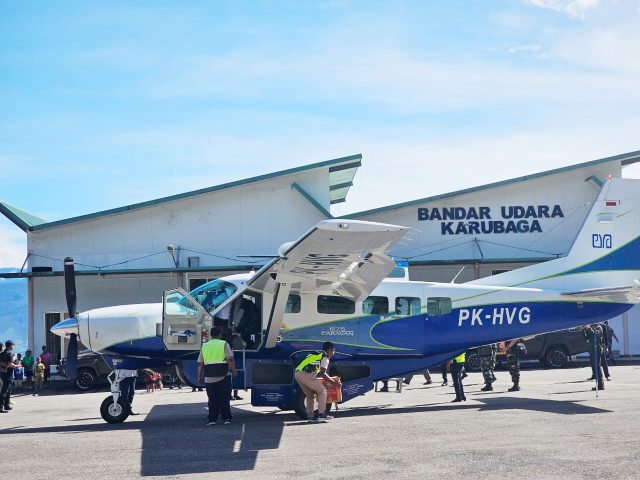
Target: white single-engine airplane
(332,284)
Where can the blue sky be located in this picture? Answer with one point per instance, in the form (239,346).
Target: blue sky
(106,104)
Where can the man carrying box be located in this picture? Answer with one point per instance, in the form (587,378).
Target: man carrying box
(309,374)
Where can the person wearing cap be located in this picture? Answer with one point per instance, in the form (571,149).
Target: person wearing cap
(6,375)
(309,373)
(27,362)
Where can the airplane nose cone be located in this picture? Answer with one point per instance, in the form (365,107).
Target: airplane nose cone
(66,327)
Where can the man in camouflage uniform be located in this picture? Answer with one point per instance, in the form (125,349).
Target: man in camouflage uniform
(607,337)
(487,354)
(513,364)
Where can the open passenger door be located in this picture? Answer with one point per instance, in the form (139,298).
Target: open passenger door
(183,320)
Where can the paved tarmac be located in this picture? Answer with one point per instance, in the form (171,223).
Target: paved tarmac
(554,428)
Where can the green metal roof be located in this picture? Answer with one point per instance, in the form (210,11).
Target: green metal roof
(24,220)
(341,171)
(341,179)
(624,158)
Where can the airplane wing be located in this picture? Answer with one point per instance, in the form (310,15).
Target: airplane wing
(336,257)
(630,293)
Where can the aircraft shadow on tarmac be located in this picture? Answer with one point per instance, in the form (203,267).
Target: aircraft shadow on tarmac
(489,404)
(176,440)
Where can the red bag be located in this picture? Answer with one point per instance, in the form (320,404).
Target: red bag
(334,391)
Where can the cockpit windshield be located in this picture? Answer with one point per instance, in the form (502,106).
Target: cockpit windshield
(212,294)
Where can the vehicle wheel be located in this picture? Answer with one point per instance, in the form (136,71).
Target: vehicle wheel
(114,413)
(299,406)
(472,362)
(86,379)
(557,357)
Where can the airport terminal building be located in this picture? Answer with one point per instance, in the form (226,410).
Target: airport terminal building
(132,254)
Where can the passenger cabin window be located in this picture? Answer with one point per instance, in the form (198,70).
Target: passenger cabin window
(408,306)
(375,305)
(438,306)
(335,305)
(293,304)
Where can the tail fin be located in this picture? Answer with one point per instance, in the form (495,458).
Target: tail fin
(605,254)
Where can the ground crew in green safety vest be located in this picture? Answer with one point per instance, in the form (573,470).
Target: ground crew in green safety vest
(308,374)
(457,364)
(215,367)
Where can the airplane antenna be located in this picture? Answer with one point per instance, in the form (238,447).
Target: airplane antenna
(458,274)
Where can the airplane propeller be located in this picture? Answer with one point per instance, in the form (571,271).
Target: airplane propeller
(70,292)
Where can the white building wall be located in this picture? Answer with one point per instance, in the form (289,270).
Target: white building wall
(248,220)
(569,190)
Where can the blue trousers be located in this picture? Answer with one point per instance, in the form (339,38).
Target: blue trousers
(456,376)
(219,394)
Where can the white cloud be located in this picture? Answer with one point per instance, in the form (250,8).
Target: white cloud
(574,8)
(525,48)
(13,245)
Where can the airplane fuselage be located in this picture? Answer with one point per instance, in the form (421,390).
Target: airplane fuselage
(416,325)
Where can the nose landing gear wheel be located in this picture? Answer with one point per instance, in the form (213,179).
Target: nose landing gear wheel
(114,413)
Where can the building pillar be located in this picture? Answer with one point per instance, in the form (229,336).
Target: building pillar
(30,325)
(625,334)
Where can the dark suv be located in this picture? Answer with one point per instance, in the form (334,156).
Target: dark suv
(551,349)
(91,370)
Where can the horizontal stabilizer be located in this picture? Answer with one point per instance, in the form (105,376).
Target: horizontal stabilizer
(630,293)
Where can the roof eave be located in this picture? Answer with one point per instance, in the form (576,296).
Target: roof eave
(335,163)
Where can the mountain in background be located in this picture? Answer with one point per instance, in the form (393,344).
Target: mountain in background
(13,310)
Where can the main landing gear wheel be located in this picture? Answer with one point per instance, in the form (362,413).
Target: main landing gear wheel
(114,412)
(299,406)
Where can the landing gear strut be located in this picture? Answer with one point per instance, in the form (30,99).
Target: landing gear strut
(114,408)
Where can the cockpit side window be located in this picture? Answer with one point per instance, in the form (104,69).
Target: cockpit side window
(212,294)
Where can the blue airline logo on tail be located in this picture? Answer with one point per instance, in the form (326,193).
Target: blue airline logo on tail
(601,241)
